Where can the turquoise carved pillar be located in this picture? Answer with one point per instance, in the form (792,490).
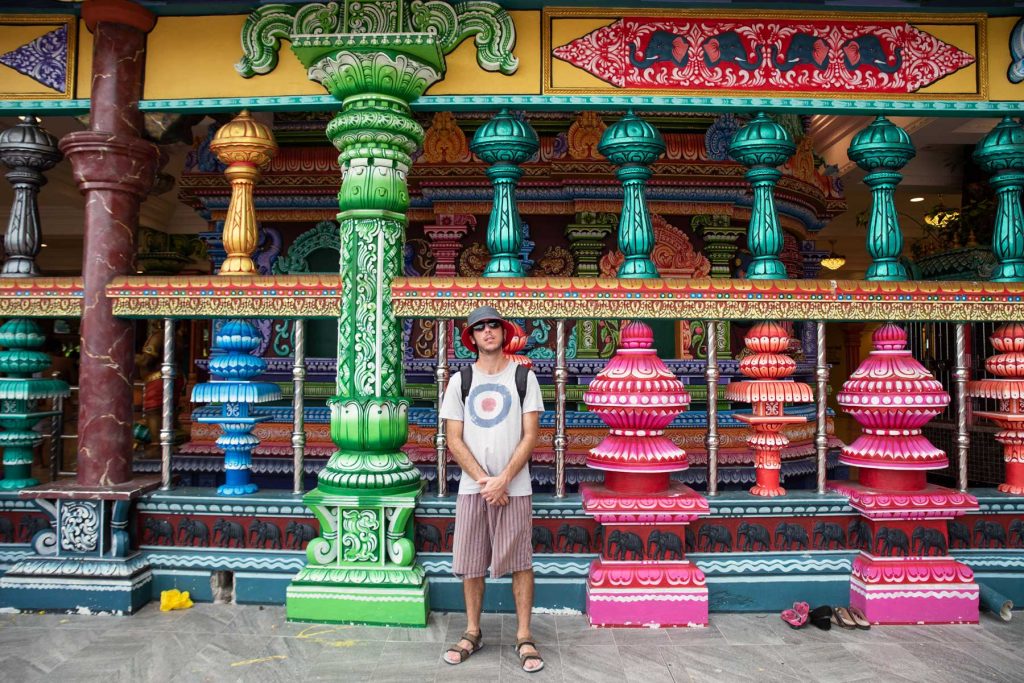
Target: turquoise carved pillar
(633,145)
(1001,153)
(762,145)
(233,366)
(504,142)
(20,394)
(882,149)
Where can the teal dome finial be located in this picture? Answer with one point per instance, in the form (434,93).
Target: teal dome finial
(631,140)
(1001,152)
(882,144)
(1003,147)
(762,142)
(505,138)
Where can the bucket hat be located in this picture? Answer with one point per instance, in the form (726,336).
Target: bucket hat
(480,315)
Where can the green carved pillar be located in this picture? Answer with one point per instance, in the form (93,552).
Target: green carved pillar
(762,145)
(586,242)
(1001,153)
(882,149)
(362,566)
(720,245)
(504,142)
(633,145)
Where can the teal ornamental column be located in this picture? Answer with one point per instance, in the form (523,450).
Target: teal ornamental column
(762,145)
(1001,153)
(232,366)
(20,394)
(882,149)
(362,566)
(504,142)
(633,145)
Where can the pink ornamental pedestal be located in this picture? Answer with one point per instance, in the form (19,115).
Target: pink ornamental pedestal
(1008,388)
(642,577)
(905,574)
(769,389)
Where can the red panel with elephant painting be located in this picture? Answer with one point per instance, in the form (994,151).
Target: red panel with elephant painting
(225,531)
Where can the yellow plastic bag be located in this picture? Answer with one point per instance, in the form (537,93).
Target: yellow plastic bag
(174,599)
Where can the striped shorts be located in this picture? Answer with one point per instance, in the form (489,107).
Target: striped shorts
(500,537)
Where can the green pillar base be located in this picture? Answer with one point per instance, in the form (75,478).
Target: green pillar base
(16,484)
(315,596)
(1012,271)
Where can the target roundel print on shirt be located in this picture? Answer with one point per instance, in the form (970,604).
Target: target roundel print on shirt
(488,404)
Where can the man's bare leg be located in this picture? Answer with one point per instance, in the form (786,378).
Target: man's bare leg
(473,592)
(522,591)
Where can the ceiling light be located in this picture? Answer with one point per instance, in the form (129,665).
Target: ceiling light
(43,245)
(833,261)
(915,200)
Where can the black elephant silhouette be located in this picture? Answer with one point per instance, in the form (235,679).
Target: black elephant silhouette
(449,534)
(262,534)
(989,534)
(925,540)
(543,541)
(229,532)
(664,545)
(662,46)
(625,543)
(827,533)
(959,534)
(859,534)
(888,541)
(714,538)
(159,530)
(192,530)
(296,534)
(1017,533)
(570,536)
(793,536)
(804,49)
(755,537)
(428,537)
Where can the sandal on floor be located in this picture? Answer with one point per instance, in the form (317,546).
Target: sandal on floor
(524,658)
(841,617)
(475,639)
(794,618)
(821,617)
(859,619)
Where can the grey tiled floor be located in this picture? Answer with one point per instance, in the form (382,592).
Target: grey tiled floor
(247,643)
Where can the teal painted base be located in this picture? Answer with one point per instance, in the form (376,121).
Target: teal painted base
(197,583)
(17,484)
(76,585)
(375,605)
(550,595)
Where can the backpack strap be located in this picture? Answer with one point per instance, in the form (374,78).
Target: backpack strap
(522,374)
(466,375)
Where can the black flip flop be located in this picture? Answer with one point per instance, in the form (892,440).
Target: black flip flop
(821,617)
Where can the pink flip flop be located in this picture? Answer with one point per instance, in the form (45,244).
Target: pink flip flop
(802,609)
(794,618)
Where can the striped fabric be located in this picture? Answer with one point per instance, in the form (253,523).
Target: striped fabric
(491,535)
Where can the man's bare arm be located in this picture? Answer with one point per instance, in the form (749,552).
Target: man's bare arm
(521,456)
(460,451)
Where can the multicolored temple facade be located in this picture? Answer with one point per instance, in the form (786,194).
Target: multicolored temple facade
(243,239)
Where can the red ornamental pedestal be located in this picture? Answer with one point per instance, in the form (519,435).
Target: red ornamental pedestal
(904,575)
(642,577)
(1008,388)
(768,390)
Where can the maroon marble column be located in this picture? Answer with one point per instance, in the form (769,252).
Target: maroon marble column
(114,169)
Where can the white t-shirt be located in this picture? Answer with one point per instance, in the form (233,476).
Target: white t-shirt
(494,424)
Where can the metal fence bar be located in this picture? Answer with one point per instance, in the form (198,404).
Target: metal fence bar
(963,437)
(711,379)
(298,405)
(167,374)
(441,375)
(561,374)
(821,438)
(56,442)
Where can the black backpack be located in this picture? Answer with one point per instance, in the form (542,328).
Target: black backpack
(522,373)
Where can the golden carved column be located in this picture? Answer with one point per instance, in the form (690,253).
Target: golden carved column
(246,146)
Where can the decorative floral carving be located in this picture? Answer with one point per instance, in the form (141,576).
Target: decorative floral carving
(444,142)
(79,527)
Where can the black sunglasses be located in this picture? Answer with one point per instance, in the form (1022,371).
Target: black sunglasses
(491,324)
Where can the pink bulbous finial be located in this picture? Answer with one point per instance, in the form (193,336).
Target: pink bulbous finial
(889,337)
(636,335)
(767,337)
(1008,338)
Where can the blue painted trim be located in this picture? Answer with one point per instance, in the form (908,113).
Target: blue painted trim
(460,103)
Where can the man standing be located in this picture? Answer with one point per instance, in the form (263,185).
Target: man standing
(493,418)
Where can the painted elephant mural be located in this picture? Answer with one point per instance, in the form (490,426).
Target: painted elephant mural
(804,49)
(229,532)
(891,542)
(691,540)
(662,46)
(159,530)
(755,537)
(298,533)
(989,534)
(790,537)
(714,537)
(728,47)
(192,530)
(570,535)
(827,533)
(868,51)
(449,534)
(428,537)
(859,534)
(664,545)
(959,535)
(1017,533)
(263,534)
(626,543)
(543,541)
(926,540)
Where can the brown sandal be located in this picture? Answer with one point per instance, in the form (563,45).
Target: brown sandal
(524,658)
(475,639)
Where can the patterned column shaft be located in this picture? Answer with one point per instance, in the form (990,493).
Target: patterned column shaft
(633,145)
(114,169)
(504,142)
(882,149)
(762,145)
(720,241)
(586,242)
(1001,153)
